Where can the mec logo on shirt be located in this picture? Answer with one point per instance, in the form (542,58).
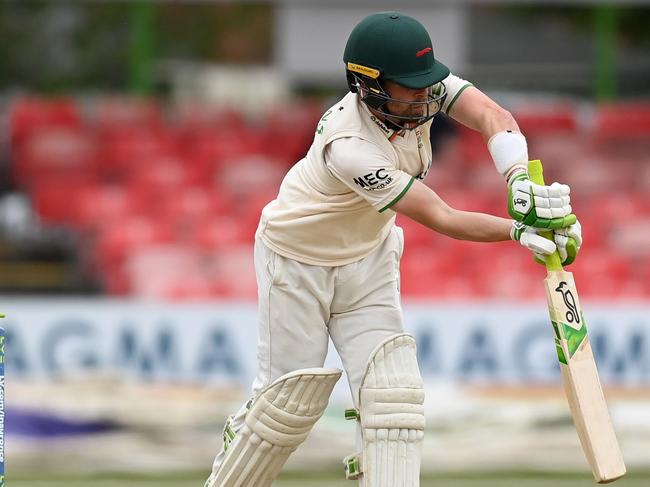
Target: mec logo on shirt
(374,180)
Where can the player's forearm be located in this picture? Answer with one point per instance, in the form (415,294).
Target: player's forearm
(476,227)
(424,206)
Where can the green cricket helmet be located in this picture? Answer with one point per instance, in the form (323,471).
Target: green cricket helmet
(393,46)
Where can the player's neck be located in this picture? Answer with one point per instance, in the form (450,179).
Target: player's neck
(388,122)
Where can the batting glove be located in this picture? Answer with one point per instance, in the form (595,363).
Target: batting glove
(529,237)
(539,206)
(568,241)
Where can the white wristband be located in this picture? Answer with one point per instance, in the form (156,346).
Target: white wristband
(508,149)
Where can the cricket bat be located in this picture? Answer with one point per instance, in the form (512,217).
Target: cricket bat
(580,376)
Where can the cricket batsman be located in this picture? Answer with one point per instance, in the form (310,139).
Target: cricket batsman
(327,256)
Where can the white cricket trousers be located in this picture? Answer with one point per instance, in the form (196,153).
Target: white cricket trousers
(301,306)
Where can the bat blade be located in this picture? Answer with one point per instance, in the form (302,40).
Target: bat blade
(581,382)
(579,373)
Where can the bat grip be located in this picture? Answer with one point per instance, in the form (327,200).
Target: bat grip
(536,175)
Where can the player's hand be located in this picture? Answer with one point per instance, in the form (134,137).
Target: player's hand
(529,237)
(539,206)
(568,241)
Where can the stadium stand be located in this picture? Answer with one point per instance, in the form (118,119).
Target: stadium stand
(164,203)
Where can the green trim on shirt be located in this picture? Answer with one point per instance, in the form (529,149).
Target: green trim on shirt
(399,196)
(451,103)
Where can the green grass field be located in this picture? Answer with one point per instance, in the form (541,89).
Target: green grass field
(487,479)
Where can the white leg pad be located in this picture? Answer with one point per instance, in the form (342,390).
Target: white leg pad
(391,413)
(279,420)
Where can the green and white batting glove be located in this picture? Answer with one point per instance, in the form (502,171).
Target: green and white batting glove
(539,206)
(529,237)
(568,241)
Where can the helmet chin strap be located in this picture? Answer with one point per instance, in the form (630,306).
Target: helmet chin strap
(398,122)
(392,123)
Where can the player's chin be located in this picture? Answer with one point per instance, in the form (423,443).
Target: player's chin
(416,114)
(415,120)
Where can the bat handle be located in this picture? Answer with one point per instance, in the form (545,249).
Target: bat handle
(536,175)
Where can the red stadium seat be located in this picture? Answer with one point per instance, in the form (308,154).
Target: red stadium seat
(116,241)
(169,271)
(545,119)
(233,272)
(247,177)
(503,270)
(216,148)
(289,130)
(427,274)
(514,285)
(643,276)
(192,206)
(478,198)
(623,121)
(592,176)
(601,273)
(125,152)
(123,114)
(103,205)
(631,237)
(217,233)
(248,208)
(190,118)
(299,115)
(472,148)
(56,154)
(29,115)
(626,206)
(54,202)
(158,179)
(595,231)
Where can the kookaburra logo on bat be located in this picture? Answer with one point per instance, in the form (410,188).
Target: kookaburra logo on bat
(572,315)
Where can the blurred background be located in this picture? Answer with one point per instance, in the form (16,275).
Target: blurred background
(139,142)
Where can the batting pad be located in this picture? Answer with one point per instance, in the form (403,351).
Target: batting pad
(279,420)
(391,415)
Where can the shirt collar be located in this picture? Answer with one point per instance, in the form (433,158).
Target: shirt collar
(388,132)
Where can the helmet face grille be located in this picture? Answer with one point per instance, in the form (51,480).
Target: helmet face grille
(376,97)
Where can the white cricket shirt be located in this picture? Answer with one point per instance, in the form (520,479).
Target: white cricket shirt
(333,207)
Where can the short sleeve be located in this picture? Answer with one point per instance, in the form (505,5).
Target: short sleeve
(455,86)
(367,171)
